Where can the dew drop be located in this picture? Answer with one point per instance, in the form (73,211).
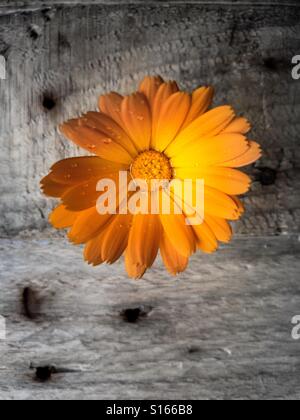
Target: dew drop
(107,141)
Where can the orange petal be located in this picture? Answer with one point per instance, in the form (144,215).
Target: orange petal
(174,262)
(212,151)
(144,238)
(228,180)
(207,125)
(163,93)
(88,224)
(238,125)
(136,116)
(81,196)
(92,250)
(220,227)
(85,195)
(149,87)
(52,188)
(62,218)
(110,129)
(79,169)
(239,204)
(179,234)
(115,238)
(170,120)
(111,105)
(253,153)
(219,204)
(201,101)
(134,270)
(206,239)
(95,142)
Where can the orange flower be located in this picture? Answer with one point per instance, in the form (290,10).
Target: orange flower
(158,132)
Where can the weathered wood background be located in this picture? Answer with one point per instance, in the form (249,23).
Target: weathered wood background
(222,329)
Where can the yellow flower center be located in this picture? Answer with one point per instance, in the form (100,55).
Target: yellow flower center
(152,165)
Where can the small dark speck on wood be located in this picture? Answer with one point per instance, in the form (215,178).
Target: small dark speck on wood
(48,14)
(232,34)
(266,176)
(44,373)
(31,303)
(274,64)
(193,350)
(133,315)
(34,32)
(49,102)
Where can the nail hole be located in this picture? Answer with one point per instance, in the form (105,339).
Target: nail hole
(133,315)
(48,103)
(34,32)
(276,64)
(47,14)
(193,350)
(31,303)
(267,176)
(44,373)
(270,63)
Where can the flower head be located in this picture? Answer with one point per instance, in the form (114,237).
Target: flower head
(158,133)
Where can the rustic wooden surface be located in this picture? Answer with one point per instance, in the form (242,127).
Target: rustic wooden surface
(63,57)
(222,329)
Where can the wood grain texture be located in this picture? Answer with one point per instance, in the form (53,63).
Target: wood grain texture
(222,330)
(68,55)
(9,5)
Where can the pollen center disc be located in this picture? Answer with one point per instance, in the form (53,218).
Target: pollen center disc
(151,165)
